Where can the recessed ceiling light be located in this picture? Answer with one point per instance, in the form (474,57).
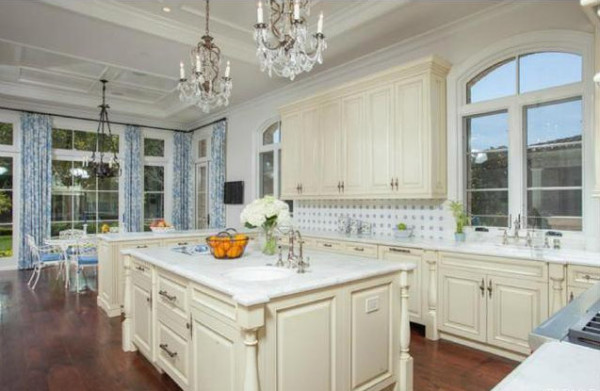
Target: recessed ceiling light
(166,9)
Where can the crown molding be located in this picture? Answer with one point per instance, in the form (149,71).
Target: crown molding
(134,18)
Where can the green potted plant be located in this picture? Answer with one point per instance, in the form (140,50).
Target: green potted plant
(461,218)
(401,231)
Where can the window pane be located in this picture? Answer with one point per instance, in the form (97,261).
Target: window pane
(6,240)
(487,170)
(82,178)
(84,206)
(555,122)
(153,206)
(84,141)
(202,148)
(154,178)
(6,134)
(488,132)
(495,82)
(554,166)
(61,174)
(279,174)
(108,205)
(555,209)
(271,135)
(62,138)
(266,173)
(110,144)
(154,147)
(6,207)
(548,69)
(488,207)
(6,173)
(62,206)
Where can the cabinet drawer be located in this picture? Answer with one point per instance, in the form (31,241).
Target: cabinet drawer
(141,271)
(140,245)
(328,245)
(583,276)
(172,296)
(173,353)
(184,241)
(368,250)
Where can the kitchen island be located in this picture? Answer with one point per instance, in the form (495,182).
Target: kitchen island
(246,325)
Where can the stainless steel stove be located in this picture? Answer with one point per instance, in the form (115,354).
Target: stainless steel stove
(578,322)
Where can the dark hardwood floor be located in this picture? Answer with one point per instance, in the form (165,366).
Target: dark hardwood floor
(50,340)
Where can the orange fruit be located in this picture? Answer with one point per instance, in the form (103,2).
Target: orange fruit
(219,252)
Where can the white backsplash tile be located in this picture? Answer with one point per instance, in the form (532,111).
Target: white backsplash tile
(428,218)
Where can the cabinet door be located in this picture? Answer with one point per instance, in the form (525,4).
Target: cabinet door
(462,303)
(515,308)
(142,319)
(291,127)
(331,148)
(416,298)
(380,140)
(309,163)
(214,346)
(409,138)
(354,138)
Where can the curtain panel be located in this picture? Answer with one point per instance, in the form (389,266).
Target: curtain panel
(133,171)
(36,182)
(217,174)
(183,182)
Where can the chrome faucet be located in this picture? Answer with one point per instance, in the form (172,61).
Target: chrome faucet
(294,260)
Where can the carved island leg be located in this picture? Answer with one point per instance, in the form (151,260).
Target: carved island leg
(557,288)
(128,345)
(251,374)
(431,331)
(405,363)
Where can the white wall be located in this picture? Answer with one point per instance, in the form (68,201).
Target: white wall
(456,43)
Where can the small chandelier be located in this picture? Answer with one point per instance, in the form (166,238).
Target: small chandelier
(205,88)
(284,45)
(98,164)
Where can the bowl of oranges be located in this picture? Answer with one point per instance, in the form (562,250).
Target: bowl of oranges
(227,244)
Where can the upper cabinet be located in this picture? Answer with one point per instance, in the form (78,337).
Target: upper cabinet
(378,137)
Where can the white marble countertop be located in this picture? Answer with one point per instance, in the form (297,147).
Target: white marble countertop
(326,270)
(563,256)
(558,366)
(127,236)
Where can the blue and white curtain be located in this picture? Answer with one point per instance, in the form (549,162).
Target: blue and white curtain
(183,182)
(36,182)
(133,179)
(217,174)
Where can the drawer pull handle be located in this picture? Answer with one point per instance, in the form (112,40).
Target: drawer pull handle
(327,245)
(399,250)
(182,243)
(482,288)
(359,249)
(141,268)
(165,347)
(587,277)
(166,295)
(489,289)
(142,246)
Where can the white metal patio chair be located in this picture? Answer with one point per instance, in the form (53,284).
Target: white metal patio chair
(42,256)
(85,255)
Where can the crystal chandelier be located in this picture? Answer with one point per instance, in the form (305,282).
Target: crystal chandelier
(103,163)
(205,88)
(283,44)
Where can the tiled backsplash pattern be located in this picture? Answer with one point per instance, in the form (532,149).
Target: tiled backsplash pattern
(428,218)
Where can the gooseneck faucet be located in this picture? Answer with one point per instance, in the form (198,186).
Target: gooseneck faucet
(294,260)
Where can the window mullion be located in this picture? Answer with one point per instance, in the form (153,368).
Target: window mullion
(516,165)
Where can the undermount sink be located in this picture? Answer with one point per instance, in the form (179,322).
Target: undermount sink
(258,273)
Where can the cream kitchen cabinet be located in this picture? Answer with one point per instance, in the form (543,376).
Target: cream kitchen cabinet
(580,278)
(380,136)
(493,301)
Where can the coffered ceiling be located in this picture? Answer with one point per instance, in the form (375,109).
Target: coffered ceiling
(54,52)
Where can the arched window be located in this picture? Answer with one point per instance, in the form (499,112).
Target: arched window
(523,130)
(269,158)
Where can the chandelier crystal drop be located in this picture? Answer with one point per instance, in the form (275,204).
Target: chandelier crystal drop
(284,46)
(205,87)
(104,162)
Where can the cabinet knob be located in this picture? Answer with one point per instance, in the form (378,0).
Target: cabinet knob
(392,183)
(342,186)
(489,289)
(482,288)
(396,183)
(339,187)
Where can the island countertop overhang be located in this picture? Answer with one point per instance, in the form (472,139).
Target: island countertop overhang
(327,270)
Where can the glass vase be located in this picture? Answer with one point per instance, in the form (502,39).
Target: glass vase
(268,241)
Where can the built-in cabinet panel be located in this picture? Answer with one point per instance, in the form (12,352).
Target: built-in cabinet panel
(306,355)
(515,308)
(142,322)
(463,304)
(377,137)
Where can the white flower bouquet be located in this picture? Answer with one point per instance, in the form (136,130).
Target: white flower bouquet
(266,213)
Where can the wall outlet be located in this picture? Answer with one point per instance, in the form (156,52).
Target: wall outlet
(372,304)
